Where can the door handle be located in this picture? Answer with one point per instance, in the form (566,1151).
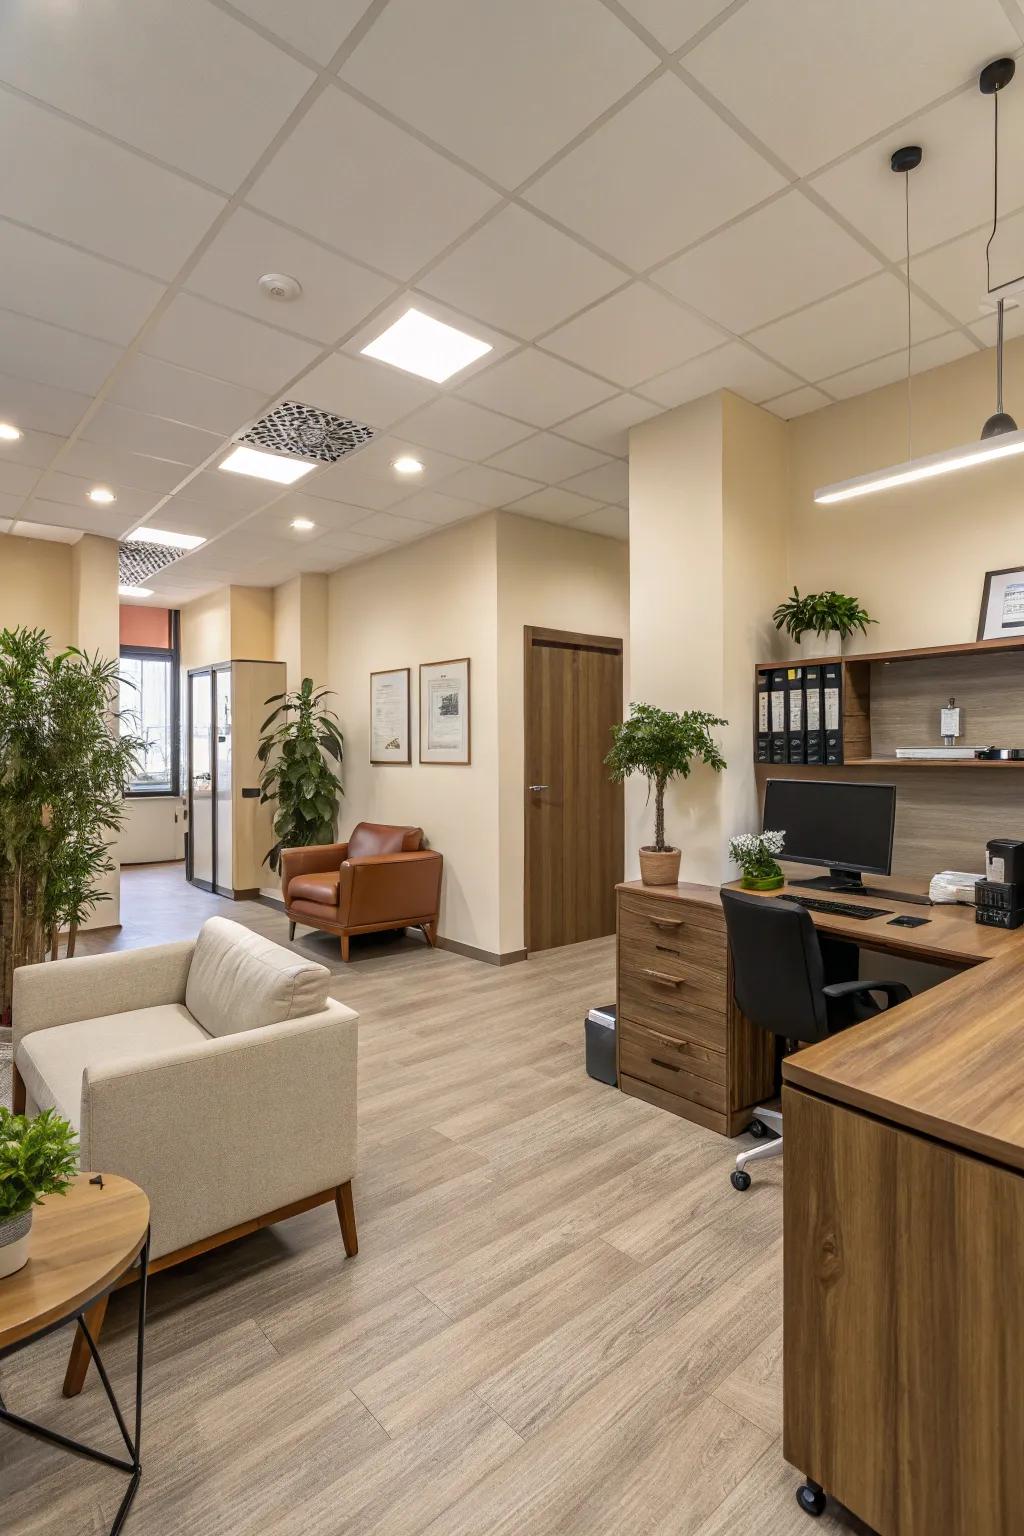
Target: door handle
(662,979)
(535,788)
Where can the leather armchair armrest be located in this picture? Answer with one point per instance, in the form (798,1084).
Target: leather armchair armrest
(893,991)
(317,860)
(403,886)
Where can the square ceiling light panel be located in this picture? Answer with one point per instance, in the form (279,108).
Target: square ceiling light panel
(419,344)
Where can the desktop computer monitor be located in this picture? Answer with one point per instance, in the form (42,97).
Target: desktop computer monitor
(846,827)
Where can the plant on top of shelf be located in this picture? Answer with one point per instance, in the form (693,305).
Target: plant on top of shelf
(295,771)
(822,614)
(38,1156)
(662,745)
(755,853)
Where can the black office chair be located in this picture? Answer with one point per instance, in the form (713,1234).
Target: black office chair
(780,985)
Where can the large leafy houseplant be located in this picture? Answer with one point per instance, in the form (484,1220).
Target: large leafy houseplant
(64,770)
(821,614)
(662,745)
(298,737)
(38,1156)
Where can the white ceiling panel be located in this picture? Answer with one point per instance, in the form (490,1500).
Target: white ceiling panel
(221,488)
(778,259)
(387,199)
(336,293)
(356,545)
(6,524)
(673,23)
(852,327)
(659,174)
(392,527)
(1013,326)
(363,389)
(464,430)
(519,273)
(75,185)
(346,482)
(10,505)
(180,515)
(330,517)
(212,340)
(815,78)
(35,448)
(108,522)
(548,458)
(48,354)
(951,190)
(163,389)
(113,426)
(633,335)
(798,402)
(606,426)
(39,407)
(887,370)
(50,532)
(501,86)
(17,479)
(214,92)
(72,491)
(554,504)
(116,468)
(609,483)
(316,27)
(488,487)
(51,281)
(954,274)
(437,508)
(536,388)
(376,462)
(610,522)
(734,366)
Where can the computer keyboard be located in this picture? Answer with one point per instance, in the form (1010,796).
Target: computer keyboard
(841,908)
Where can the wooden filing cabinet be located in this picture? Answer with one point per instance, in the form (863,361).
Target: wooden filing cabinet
(682,1043)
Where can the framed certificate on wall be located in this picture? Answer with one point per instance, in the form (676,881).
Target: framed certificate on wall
(390,722)
(1002,604)
(444,711)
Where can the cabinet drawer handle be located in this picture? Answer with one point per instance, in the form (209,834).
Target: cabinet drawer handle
(667,922)
(656,1061)
(667,949)
(662,979)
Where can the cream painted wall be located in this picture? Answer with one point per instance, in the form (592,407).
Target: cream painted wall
(429,601)
(36,587)
(206,630)
(555,578)
(300,627)
(252,623)
(917,556)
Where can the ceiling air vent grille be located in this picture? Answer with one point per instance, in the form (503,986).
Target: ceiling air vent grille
(137,562)
(307,432)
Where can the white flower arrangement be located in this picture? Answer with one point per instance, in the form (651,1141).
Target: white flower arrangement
(756,852)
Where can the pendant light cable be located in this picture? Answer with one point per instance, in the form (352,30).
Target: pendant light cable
(910,399)
(994,78)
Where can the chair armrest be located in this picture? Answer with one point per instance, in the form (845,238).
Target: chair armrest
(231,1128)
(894,991)
(319,859)
(67,991)
(382,886)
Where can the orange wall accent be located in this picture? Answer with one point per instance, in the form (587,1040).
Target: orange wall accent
(145,626)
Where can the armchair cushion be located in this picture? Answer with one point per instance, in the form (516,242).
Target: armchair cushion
(315,887)
(238,980)
(372,837)
(52,1061)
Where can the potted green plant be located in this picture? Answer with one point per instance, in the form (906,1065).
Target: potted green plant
(296,772)
(38,1156)
(755,853)
(662,745)
(830,616)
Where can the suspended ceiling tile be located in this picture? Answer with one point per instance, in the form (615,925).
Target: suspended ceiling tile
(606,426)
(632,336)
(537,388)
(208,339)
(610,522)
(734,366)
(548,458)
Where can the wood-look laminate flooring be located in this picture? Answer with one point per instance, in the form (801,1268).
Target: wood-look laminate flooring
(562,1320)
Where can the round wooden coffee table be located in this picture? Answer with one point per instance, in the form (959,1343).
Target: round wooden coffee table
(82,1244)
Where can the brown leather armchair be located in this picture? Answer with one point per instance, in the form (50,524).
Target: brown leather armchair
(381,878)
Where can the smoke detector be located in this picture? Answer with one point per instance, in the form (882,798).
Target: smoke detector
(279,287)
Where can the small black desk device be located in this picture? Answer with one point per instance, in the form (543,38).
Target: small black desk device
(908,922)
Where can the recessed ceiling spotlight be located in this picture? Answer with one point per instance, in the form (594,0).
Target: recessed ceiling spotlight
(280,287)
(102,495)
(405,464)
(265,466)
(427,347)
(303,524)
(8,433)
(165,538)
(126,590)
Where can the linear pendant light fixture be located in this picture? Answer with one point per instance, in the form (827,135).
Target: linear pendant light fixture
(1000,437)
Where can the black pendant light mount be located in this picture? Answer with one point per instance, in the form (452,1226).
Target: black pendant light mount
(906,159)
(994,78)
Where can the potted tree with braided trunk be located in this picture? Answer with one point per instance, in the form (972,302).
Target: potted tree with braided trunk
(662,745)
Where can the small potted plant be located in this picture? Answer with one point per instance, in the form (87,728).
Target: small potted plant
(38,1156)
(755,853)
(829,616)
(662,745)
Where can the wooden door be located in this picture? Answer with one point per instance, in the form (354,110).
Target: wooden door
(574,815)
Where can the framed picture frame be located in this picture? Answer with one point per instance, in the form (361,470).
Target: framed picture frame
(445,712)
(390,717)
(1002,605)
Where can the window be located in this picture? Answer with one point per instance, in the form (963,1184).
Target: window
(149,709)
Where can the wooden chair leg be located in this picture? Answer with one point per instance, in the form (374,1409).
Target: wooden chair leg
(78,1361)
(344,947)
(17,1092)
(291,930)
(430,933)
(347,1218)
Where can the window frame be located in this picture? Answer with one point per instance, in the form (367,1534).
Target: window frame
(172,655)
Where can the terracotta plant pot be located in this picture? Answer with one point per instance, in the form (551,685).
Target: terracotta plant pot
(14,1236)
(660,868)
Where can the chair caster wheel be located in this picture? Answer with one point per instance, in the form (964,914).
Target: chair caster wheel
(740,1178)
(811,1499)
(758,1130)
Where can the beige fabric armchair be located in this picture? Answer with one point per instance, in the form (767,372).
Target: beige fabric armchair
(218,1075)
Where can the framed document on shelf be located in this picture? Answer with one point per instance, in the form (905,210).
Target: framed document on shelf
(444,711)
(390,719)
(1002,605)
